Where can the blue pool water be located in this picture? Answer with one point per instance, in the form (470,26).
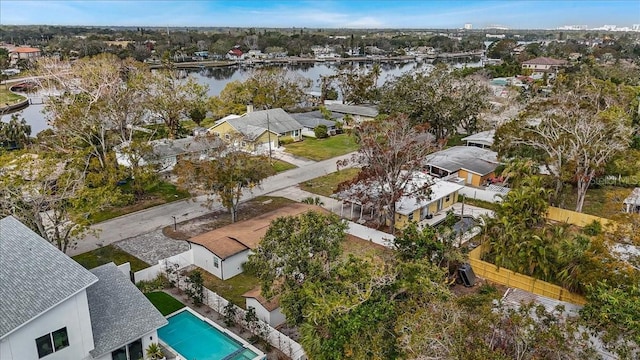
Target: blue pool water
(196,339)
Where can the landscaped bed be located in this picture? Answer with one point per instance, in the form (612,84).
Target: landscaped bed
(322,149)
(107,254)
(164,302)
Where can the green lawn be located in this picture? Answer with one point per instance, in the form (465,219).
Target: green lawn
(231,289)
(164,302)
(159,193)
(107,254)
(322,149)
(604,201)
(8,98)
(328,184)
(280,166)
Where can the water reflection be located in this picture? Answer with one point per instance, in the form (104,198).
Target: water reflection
(217,78)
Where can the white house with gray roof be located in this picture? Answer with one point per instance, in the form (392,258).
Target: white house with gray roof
(166,153)
(52,308)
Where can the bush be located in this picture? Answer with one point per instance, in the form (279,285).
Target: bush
(286,141)
(159,283)
(321,131)
(592,229)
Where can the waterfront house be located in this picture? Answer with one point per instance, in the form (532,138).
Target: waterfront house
(53,308)
(258,131)
(358,113)
(312,119)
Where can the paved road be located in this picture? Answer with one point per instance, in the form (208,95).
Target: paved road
(147,220)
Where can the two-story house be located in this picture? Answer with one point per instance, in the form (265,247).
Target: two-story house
(52,308)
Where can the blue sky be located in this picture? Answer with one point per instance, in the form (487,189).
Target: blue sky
(517,14)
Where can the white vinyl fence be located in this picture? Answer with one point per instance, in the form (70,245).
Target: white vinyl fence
(175,264)
(480,194)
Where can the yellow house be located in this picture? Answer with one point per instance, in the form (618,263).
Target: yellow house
(411,209)
(473,164)
(258,131)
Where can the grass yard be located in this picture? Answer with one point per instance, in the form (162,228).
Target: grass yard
(280,166)
(604,201)
(359,248)
(231,289)
(327,185)
(8,98)
(322,149)
(164,302)
(159,193)
(107,254)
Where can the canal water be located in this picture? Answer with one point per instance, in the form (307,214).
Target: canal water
(217,78)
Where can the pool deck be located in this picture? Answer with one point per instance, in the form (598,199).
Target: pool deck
(222,329)
(212,315)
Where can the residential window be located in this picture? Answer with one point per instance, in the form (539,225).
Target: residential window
(227,136)
(133,351)
(410,217)
(215,133)
(52,342)
(216,262)
(448,198)
(243,144)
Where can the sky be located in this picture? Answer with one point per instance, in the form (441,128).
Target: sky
(514,14)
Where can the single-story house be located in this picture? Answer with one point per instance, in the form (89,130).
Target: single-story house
(310,120)
(223,251)
(543,64)
(358,113)
(482,139)
(267,310)
(632,202)
(258,131)
(473,164)
(442,195)
(166,153)
(53,308)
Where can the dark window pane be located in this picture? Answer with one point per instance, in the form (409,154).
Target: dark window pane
(135,350)
(120,354)
(43,343)
(60,339)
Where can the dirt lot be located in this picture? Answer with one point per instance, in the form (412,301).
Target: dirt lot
(214,220)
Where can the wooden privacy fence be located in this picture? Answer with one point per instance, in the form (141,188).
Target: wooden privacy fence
(576,218)
(513,279)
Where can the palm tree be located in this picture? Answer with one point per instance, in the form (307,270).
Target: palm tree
(16,132)
(313,201)
(154,352)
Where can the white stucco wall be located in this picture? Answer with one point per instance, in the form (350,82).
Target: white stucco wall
(203,258)
(227,269)
(273,318)
(73,314)
(232,266)
(147,339)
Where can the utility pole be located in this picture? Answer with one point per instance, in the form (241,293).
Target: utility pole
(269,135)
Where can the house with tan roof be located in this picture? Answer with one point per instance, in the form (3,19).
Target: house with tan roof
(267,310)
(223,251)
(543,64)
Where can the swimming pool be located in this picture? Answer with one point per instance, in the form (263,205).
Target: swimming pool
(193,337)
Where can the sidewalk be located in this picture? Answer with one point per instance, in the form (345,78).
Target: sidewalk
(280,154)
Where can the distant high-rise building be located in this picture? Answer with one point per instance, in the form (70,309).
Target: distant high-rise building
(468,26)
(635,27)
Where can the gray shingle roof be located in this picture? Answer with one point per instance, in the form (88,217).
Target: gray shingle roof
(471,158)
(119,312)
(168,148)
(484,138)
(34,275)
(361,110)
(313,118)
(279,122)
